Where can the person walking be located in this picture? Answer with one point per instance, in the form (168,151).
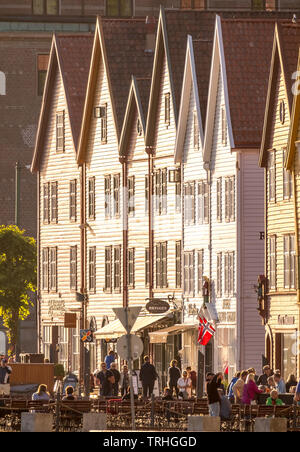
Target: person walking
(263,379)
(117,376)
(124,380)
(105,379)
(230,393)
(148,375)
(110,358)
(250,390)
(238,387)
(184,385)
(213,395)
(173,375)
(41,394)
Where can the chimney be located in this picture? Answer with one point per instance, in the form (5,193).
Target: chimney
(150,34)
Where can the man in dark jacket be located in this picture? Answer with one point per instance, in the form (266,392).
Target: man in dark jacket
(263,379)
(117,375)
(148,376)
(213,395)
(173,375)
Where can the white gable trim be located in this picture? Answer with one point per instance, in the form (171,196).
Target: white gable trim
(189,82)
(218,61)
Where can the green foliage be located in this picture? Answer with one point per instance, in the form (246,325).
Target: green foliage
(18,272)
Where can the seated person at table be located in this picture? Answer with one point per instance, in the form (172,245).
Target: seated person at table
(271,383)
(41,394)
(273,399)
(69,393)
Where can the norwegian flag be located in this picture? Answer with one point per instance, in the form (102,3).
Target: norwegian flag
(206,331)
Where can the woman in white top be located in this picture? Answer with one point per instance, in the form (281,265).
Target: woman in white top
(184,385)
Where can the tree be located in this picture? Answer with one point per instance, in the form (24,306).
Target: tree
(18,273)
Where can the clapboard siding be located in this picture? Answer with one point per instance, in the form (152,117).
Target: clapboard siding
(60,168)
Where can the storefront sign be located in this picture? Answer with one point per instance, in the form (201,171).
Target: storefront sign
(286,320)
(56,308)
(157,306)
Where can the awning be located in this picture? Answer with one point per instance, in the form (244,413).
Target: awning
(161,336)
(115,328)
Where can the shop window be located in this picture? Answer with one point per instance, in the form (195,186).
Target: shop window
(119,8)
(45,7)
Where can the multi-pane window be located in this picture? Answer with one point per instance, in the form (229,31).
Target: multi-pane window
(161,265)
(203,202)
(92,198)
(188,273)
(119,8)
(63,355)
(45,269)
(289,261)
(116,198)
(223,126)
(272,176)
(73,199)
(200,255)
(42,67)
(196,131)
(272,264)
(92,269)
(46,195)
(108,269)
(167,109)
(53,269)
(147,267)
(178,264)
(229,274)
(219,275)
(130,272)
(161,191)
(60,131)
(219,199)
(287,181)
(45,7)
(73,268)
(53,201)
(107,196)
(131,201)
(230,199)
(75,347)
(117,268)
(189,203)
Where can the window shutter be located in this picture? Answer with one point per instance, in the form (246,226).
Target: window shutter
(103,118)
(107,190)
(108,268)
(116,195)
(219,200)
(92,198)
(73,190)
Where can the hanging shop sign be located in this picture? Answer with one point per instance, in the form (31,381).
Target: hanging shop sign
(86,336)
(157,306)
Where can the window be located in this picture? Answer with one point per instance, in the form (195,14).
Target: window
(130,273)
(272,176)
(116,200)
(53,269)
(139,128)
(73,268)
(147,267)
(282,112)
(45,269)
(75,335)
(203,202)
(178,264)
(224,126)
(287,180)
(53,201)
(196,132)
(108,269)
(219,200)
(45,7)
(229,274)
(103,117)
(219,275)
(161,191)
(161,265)
(46,195)
(117,268)
(60,131)
(42,67)
(200,255)
(47,341)
(188,269)
(107,195)
(131,206)
(192,4)
(92,212)
(63,355)
(73,200)
(189,203)
(259,5)
(164,190)
(289,261)
(92,269)
(230,199)
(272,274)
(167,109)
(121,8)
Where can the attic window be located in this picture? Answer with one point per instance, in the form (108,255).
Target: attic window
(139,127)
(224,126)
(196,132)
(100,112)
(282,112)
(167,109)
(60,131)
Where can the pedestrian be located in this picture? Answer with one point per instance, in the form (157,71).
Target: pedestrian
(110,358)
(193,376)
(117,375)
(225,406)
(5,372)
(250,390)
(291,381)
(173,375)
(213,394)
(41,394)
(124,380)
(230,393)
(148,376)
(184,385)
(105,379)
(263,379)
(273,399)
(69,394)
(297,394)
(251,370)
(238,387)
(279,384)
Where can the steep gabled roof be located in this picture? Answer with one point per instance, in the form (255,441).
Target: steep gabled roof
(122,44)
(284,56)
(70,55)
